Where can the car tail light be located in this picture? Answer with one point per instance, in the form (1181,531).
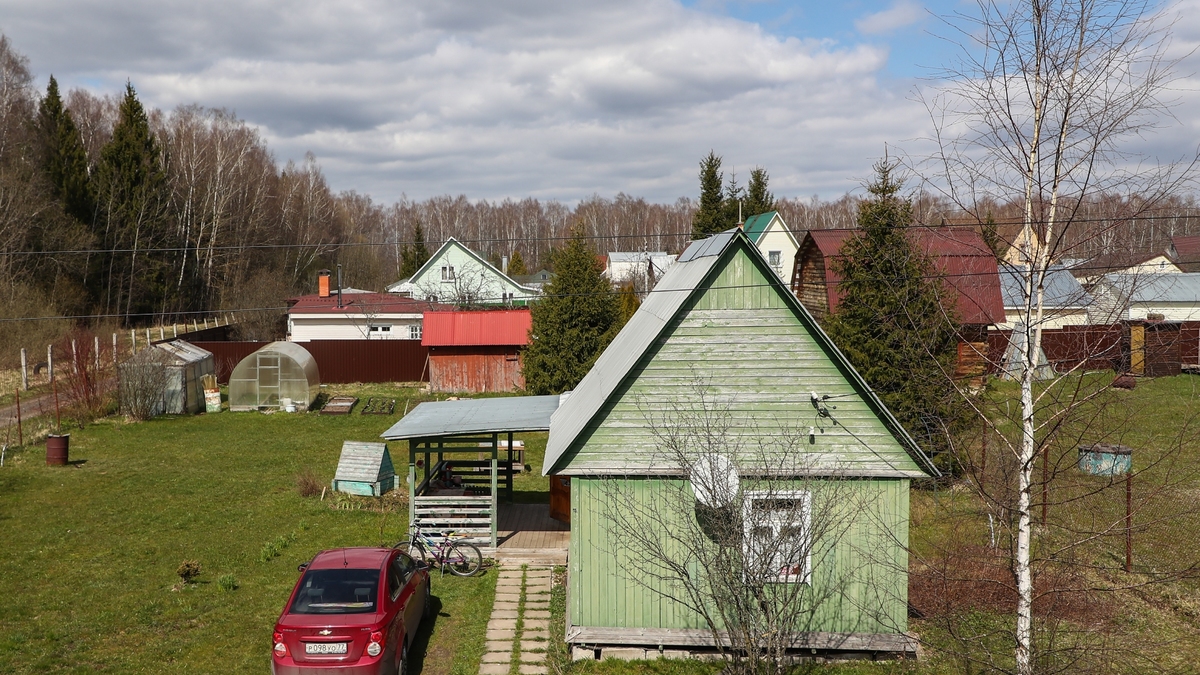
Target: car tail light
(376,645)
(280,648)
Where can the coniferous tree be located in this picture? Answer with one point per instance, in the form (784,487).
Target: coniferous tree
(415,255)
(891,322)
(573,323)
(516,266)
(731,208)
(710,218)
(64,158)
(758,198)
(133,199)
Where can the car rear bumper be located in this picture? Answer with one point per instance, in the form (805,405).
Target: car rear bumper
(282,668)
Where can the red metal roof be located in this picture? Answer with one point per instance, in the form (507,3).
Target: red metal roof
(959,253)
(1187,252)
(358,303)
(471,328)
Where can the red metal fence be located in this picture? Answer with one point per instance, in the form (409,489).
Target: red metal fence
(1107,348)
(340,361)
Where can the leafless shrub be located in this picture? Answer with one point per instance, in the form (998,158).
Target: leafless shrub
(143,383)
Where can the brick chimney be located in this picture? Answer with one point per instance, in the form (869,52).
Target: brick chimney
(323,284)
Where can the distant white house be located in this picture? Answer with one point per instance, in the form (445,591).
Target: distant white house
(457,275)
(776,242)
(1064,302)
(358,316)
(1172,296)
(643,269)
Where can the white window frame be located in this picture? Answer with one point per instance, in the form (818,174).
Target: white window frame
(447,273)
(380,328)
(787,573)
(414,331)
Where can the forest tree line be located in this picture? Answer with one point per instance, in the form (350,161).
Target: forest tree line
(129,214)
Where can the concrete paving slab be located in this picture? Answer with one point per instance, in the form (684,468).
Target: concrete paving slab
(493,669)
(534,624)
(533,657)
(502,624)
(532,669)
(498,646)
(504,614)
(497,657)
(495,634)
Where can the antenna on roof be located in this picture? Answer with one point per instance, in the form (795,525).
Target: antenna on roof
(345,563)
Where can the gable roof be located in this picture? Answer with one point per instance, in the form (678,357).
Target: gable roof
(756,226)
(429,264)
(476,327)
(1185,252)
(1172,287)
(960,255)
(686,280)
(1060,288)
(468,416)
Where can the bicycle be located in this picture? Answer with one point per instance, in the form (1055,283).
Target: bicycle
(462,558)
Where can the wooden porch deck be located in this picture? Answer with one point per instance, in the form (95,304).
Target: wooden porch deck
(528,535)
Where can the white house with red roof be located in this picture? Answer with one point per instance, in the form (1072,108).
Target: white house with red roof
(355,316)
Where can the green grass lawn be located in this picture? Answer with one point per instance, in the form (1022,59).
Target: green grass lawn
(90,551)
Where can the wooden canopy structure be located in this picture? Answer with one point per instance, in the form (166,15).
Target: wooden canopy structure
(460,459)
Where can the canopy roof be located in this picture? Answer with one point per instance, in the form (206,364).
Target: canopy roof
(475,416)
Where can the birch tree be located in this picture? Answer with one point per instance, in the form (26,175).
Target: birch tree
(1043,107)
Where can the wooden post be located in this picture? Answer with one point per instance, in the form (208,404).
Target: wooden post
(74,357)
(20,434)
(147,337)
(132,342)
(206,323)
(174,330)
(24,371)
(1045,483)
(412,483)
(508,475)
(495,513)
(57,415)
(50,362)
(114,350)
(96,347)
(161,336)
(1129,520)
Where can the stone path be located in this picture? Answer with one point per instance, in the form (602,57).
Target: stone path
(520,623)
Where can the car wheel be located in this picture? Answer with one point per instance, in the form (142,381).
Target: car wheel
(402,668)
(427,611)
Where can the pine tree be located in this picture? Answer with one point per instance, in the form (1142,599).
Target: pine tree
(414,256)
(573,323)
(132,192)
(731,208)
(64,159)
(516,266)
(758,198)
(891,322)
(709,218)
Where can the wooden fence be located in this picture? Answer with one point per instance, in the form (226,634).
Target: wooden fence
(340,361)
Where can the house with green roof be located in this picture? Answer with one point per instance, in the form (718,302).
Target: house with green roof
(456,275)
(776,242)
(722,344)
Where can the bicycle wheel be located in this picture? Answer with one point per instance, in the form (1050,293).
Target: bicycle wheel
(463,559)
(418,551)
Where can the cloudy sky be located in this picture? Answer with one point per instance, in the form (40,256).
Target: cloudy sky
(514,98)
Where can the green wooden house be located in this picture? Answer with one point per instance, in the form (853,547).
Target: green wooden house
(365,468)
(721,316)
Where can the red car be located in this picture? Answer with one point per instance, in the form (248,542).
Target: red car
(354,611)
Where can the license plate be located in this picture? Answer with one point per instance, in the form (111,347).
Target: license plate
(325,648)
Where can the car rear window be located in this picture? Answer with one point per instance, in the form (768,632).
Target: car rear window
(337,591)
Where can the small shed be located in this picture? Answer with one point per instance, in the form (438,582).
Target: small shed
(182,366)
(273,376)
(365,469)
(476,351)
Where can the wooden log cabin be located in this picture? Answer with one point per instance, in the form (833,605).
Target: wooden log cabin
(960,254)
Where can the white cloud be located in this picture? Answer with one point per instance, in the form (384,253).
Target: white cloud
(504,98)
(903,13)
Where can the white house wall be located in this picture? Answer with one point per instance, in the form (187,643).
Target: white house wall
(776,238)
(1171,311)
(1052,319)
(302,328)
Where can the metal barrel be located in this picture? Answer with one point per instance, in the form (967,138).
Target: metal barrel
(57,448)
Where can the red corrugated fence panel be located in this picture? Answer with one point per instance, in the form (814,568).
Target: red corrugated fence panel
(472,327)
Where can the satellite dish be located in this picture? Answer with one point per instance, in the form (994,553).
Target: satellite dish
(714,480)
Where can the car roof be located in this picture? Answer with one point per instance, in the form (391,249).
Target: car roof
(358,557)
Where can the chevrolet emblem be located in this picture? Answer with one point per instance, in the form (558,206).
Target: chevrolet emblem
(325,632)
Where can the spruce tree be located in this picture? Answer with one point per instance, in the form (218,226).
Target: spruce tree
(415,255)
(731,208)
(516,266)
(758,198)
(891,322)
(572,323)
(64,159)
(133,195)
(710,218)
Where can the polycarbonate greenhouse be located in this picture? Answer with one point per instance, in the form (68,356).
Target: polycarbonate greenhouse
(274,375)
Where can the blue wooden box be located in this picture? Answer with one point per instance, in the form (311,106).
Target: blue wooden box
(365,469)
(1105,459)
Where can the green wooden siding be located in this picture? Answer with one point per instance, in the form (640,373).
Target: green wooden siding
(741,340)
(863,579)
